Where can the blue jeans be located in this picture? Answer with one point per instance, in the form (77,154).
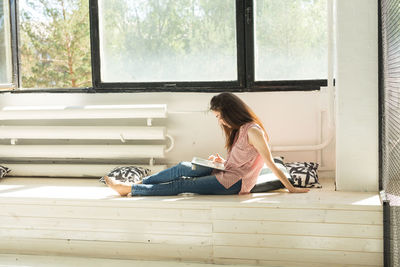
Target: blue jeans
(182,179)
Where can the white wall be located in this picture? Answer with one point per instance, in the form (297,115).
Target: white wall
(357,95)
(290,118)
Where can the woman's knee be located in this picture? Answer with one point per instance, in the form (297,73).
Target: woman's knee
(185,164)
(182,168)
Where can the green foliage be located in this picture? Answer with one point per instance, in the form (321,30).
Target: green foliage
(159,39)
(55,44)
(167,40)
(178,40)
(291,38)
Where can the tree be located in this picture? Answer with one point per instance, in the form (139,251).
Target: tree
(168,40)
(55,44)
(291,39)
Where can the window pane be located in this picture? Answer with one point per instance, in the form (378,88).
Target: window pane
(167,40)
(290,39)
(5,44)
(55,43)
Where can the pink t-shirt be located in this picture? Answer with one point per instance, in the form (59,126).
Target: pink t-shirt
(243,162)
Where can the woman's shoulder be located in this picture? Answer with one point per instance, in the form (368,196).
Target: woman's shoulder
(244,129)
(255,130)
(249,125)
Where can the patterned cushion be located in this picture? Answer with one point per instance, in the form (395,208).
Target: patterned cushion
(127,174)
(4,171)
(268,181)
(304,174)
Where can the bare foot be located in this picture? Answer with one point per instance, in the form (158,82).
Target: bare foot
(121,189)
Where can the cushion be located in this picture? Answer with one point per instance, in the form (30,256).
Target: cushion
(304,174)
(127,174)
(4,171)
(268,181)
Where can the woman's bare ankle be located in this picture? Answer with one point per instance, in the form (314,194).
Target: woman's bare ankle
(121,189)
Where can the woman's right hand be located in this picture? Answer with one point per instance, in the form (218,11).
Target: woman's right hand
(216,158)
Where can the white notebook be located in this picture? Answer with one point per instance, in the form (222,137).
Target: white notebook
(208,163)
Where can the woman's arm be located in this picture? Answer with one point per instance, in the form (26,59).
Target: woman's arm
(257,139)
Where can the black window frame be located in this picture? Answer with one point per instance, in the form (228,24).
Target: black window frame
(12,6)
(165,86)
(281,85)
(245,60)
(14,42)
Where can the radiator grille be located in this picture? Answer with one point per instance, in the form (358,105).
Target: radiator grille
(81,141)
(390,125)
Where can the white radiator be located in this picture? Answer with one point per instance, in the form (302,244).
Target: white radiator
(85,151)
(82,132)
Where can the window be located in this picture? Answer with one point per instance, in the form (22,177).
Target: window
(164,45)
(225,44)
(6,70)
(167,41)
(290,40)
(54,43)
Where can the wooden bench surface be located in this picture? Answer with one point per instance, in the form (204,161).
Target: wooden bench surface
(89,189)
(59,216)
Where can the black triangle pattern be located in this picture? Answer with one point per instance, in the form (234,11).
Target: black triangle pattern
(127,174)
(304,174)
(4,171)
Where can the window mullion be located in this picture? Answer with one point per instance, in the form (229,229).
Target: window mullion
(95,42)
(241,41)
(249,42)
(11,45)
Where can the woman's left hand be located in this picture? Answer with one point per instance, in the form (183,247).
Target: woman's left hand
(299,190)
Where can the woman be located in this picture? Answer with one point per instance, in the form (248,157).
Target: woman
(247,143)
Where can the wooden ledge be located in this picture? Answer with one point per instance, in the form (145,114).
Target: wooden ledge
(82,217)
(76,191)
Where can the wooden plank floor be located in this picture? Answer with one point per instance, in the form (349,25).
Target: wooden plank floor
(10,260)
(82,217)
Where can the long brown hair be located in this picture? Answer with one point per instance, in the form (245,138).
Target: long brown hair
(235,113)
